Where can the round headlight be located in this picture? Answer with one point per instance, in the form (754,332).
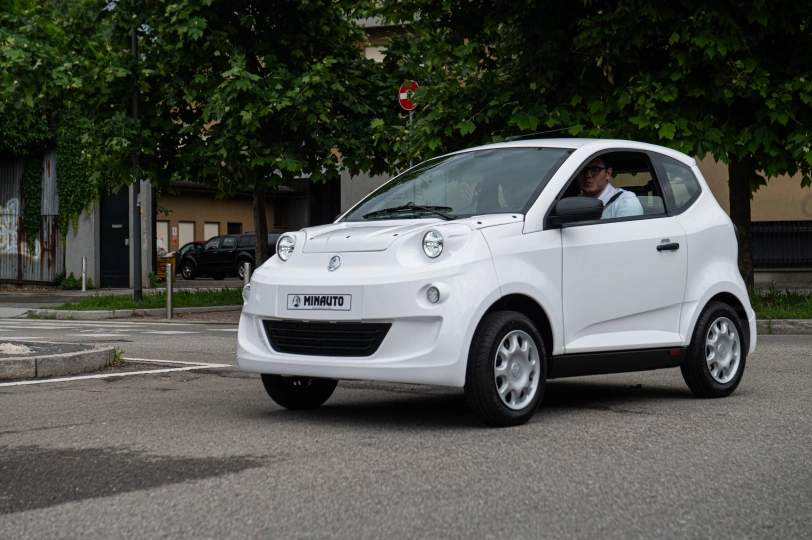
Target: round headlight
(246,293)
(284,247)
(432,244)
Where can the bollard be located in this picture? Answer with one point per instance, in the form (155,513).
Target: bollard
(246,278)
(169,290)
(84,274)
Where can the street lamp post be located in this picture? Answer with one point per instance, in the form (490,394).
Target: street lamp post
(136,209)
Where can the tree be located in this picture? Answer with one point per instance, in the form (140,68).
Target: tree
(245,97)
(62,64)
(733,80)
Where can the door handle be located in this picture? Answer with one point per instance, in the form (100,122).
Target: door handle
(668,247)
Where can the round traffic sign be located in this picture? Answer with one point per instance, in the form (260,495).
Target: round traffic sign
(403,96)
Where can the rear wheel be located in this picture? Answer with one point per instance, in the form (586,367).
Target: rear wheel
(298,392)
(188,270)
(507,369)
(717,353)
(241,269)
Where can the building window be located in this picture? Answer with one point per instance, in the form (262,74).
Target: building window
(234,228)
(280,217)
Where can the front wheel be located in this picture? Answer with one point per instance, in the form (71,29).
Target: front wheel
(298,392)
(187,270)
(507,369)
(716,356)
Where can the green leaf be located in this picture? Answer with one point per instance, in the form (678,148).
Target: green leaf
(667,131)
(466,127)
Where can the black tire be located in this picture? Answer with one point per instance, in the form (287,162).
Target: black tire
(481,380)
(696,369)
(188,270)
(241,269)
(219,276)
(298,392)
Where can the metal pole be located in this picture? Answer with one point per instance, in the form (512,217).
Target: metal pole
(84,274)
(169,288)
(136,209)
(246,274)
(411,117)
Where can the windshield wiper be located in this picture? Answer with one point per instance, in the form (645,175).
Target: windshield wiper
(413,206)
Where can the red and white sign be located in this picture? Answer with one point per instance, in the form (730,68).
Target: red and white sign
(403,96)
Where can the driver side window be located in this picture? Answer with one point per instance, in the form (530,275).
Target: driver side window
(625,183)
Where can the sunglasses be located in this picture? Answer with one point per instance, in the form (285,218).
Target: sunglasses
(593,170)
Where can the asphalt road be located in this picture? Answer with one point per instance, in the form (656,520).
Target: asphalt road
(206,454)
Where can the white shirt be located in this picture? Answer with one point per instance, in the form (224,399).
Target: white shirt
(625,205)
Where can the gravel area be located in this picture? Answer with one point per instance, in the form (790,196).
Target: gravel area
(20,349)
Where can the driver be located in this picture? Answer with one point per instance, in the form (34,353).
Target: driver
(594,182)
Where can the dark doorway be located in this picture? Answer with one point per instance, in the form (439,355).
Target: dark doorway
(325,201)
(114,238)
(234,228)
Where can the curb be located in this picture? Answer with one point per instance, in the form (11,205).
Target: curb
(784,326)
(56,365)
(63,314)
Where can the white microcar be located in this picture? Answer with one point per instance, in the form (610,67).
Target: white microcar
(496,268)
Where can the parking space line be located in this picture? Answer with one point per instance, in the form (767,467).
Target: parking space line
(198,365)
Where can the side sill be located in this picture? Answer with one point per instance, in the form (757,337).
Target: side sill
(577,365)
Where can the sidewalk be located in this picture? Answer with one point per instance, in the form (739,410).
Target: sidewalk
(16,302)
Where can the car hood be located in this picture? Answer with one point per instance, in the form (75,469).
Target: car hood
(355,236)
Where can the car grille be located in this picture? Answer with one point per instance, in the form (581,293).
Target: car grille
(326,339)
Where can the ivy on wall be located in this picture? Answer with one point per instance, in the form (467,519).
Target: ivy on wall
(21,140)
(74,185)
(32,199)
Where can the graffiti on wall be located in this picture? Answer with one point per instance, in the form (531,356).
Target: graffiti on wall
(9,230)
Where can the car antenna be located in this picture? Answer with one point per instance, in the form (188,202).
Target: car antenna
(514,137)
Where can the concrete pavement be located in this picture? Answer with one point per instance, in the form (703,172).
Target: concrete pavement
(208,454)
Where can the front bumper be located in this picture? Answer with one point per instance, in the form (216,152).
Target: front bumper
(426,343)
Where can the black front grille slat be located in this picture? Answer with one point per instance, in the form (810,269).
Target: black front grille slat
(326,339)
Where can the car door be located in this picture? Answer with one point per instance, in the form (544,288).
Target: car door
(623,279)
(226,255)
(207,257)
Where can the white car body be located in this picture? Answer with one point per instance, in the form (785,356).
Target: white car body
(596,289)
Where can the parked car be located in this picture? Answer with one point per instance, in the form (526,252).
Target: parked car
(223,256)
(488,269)
(189,246)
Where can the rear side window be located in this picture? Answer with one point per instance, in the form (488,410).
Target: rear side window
(229,241)
(252,241)
(243,241)
(681,183)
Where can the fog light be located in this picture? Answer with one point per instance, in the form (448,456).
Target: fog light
(246,293)
(433,295)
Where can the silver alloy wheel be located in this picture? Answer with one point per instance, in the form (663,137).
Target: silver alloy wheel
(186,271)
(723,350)
(241,270)
(516,369)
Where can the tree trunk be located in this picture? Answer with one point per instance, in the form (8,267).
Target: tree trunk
(739,182)
(260,227)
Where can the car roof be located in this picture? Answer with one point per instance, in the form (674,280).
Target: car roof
(590,145)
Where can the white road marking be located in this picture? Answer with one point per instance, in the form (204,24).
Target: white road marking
(224,329)
(98,335)
(108,375)
(164,361)
(168,332)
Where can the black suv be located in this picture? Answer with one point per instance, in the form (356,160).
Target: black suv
(223,256)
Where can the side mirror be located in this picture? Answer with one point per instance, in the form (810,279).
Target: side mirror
(575,209)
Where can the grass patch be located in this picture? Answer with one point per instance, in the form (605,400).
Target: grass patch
(775,304)
(181,298)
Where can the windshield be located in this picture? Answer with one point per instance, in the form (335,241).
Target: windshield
(481,182)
